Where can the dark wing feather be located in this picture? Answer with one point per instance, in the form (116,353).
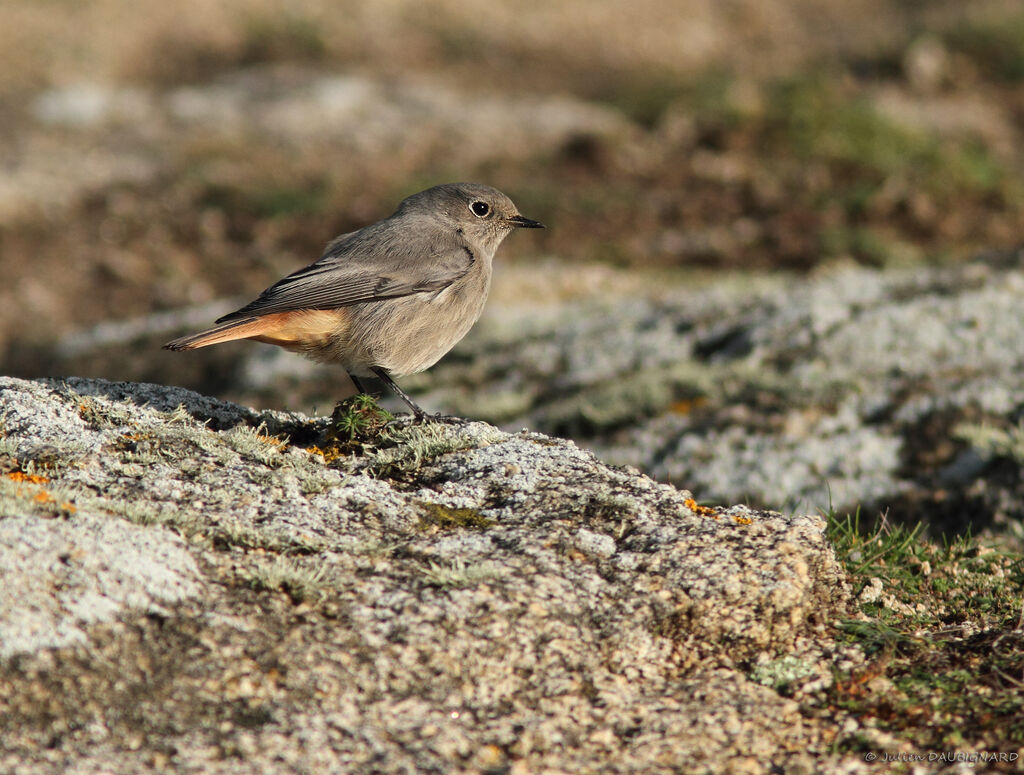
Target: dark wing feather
(372,264)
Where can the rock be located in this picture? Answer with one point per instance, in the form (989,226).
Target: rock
(897,390)
(62,576)
(190,584)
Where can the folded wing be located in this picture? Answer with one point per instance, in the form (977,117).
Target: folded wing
(348,273)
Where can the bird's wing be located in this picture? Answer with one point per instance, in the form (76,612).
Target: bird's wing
(367,265)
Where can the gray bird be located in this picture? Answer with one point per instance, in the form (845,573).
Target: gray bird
(390,298)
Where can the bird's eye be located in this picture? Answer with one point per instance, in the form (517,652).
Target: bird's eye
(480,209)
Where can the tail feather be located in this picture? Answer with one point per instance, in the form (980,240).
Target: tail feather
(236,329)
(295,330)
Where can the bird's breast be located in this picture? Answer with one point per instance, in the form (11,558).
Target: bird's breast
(412,333)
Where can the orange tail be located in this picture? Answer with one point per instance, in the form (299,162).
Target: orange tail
(239,329)
(287,329)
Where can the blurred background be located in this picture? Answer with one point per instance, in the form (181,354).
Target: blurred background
(161,163)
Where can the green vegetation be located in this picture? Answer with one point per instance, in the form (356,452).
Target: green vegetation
(643,98)
(817,159)
(819,119)
(283,201)
(942,627)
(260,194)
(358,419)
(996,49)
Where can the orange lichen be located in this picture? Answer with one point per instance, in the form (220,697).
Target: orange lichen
(42,496)
(19,476)
(743,520)
(700,511)
(687,405)
(330,454)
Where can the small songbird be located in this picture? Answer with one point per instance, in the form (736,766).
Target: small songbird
(389,299)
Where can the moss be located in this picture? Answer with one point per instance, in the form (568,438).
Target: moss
(313,484)
(357,427)
(436,517)
(230,534)
(358,420)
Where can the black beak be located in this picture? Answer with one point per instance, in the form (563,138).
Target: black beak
(525,223)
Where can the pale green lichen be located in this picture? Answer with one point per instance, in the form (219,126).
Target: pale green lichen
(782,672)
(458,575)
(255,444)
(414,445)
(301,581)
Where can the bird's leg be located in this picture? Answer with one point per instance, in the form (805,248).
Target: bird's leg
(418,413)
(360,388)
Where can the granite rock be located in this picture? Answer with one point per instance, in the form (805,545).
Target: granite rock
(221,589)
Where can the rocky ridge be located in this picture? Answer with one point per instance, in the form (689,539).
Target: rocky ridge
(187,582)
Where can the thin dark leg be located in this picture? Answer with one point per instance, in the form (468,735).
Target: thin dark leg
(386,379)
(359,385)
